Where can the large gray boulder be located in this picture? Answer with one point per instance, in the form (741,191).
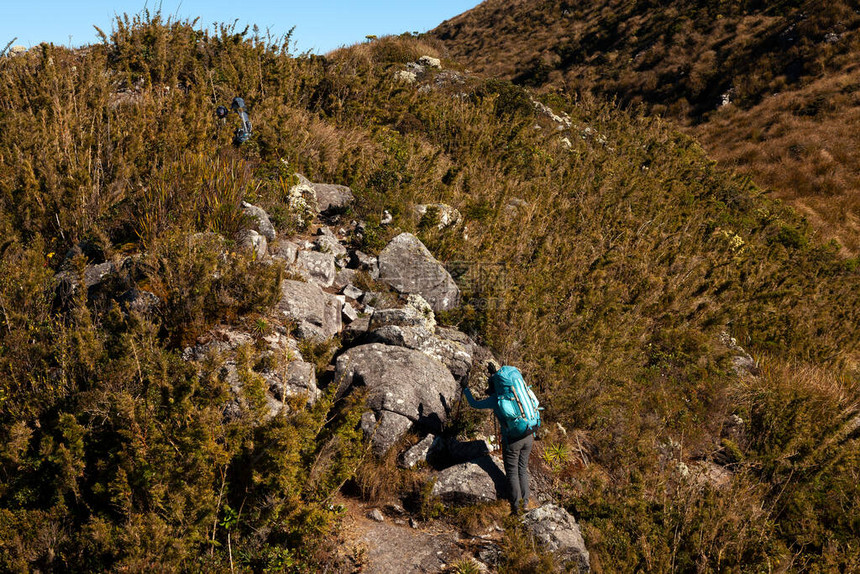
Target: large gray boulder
(317,313)
(286,251)
(414,326)
(332,198)
(408,266)
(327,198)
(416,313)
(451,354)
(558,531)
(478,480)
(405,388)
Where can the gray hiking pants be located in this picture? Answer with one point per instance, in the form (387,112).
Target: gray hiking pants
(516,455)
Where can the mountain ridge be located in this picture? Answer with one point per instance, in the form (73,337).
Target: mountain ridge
(769,88)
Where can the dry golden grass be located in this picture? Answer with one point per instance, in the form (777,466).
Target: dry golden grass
(804,146)
(790,67)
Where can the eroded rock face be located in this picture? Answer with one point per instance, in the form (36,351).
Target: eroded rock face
(317,313)
(408,266)
(404,388)
(479,480)
(558,531)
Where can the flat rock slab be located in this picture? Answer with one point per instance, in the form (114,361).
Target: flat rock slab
(408,266)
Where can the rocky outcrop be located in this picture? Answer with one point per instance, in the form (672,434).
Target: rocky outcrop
(405,388)
(317,313)
(408,266)
(414,326)
(559,533)
(416,313)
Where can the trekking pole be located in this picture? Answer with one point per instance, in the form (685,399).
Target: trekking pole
(459,407)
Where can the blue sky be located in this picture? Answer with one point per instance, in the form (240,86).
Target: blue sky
(321,25)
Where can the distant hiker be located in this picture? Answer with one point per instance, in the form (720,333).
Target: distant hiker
(517,410)
(242,134)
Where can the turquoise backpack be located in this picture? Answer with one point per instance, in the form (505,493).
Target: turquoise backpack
(519,410)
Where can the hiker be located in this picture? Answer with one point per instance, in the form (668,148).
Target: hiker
(516,408)
(242,134)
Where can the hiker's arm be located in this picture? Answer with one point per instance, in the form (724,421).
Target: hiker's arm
(487,403)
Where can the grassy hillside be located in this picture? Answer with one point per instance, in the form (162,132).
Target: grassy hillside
(788,68)
(607,267)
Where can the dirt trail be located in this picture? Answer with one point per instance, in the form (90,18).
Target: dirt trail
(393,546)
